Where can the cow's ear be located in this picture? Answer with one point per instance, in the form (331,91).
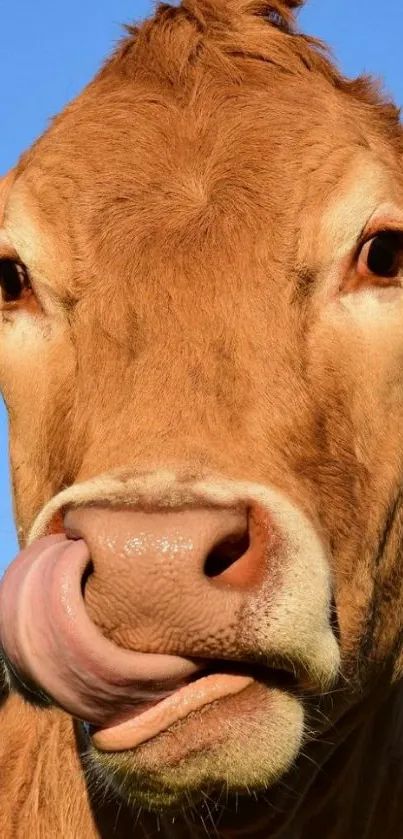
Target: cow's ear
(5,185)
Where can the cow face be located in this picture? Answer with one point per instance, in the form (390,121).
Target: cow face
(200,352)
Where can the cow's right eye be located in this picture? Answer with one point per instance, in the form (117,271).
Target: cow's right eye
(15,284)
(382,256)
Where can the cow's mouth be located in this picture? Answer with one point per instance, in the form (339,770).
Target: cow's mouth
(129,698)
(140,723)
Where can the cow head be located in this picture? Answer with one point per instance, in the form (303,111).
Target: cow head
(201,267)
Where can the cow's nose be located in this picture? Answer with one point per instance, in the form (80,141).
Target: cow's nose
(171,580)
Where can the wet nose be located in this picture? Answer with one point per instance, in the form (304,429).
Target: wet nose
(171,581)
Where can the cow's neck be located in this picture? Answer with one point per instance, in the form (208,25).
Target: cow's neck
(357,792)
(350,785)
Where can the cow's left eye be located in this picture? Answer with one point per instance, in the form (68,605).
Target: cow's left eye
(382,256)
(14,282)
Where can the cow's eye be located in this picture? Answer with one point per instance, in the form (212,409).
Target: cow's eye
(14,281)
(382,256)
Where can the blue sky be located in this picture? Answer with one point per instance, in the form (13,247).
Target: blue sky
(50,50)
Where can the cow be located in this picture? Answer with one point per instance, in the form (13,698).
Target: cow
(201,355)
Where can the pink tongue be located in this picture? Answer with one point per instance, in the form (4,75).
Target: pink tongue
(49,638)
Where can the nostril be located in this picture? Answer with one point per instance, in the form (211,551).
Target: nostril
(88,571)
(225,553)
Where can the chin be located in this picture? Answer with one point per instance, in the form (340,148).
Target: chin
(241,744)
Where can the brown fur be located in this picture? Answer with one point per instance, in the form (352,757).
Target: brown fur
(185,215)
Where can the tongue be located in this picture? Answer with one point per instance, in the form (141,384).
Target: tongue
(50,640)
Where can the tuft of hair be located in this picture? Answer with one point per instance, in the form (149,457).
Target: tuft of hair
(174,40)
(280,13)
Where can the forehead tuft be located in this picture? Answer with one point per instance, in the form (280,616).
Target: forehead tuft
(176,52)
(164,112)
(178,39)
